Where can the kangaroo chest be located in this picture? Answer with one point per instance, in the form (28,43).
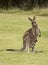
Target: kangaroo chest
(33,35)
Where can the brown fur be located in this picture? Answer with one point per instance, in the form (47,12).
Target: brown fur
(30,36)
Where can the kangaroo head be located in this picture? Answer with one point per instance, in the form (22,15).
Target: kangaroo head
(33,22)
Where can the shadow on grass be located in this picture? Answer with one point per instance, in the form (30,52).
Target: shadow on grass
(11,50)
(16,50)
(38,51)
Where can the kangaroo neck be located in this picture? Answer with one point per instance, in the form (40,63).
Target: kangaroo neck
(35,28)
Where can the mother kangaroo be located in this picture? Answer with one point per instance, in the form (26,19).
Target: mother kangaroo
(31,35)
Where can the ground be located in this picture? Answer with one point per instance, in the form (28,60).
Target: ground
(12,28)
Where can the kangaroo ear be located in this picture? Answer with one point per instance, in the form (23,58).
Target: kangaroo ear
(29,18)
(34,18)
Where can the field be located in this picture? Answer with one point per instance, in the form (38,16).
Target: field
(12,28)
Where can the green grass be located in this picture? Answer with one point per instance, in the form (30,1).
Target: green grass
(12,28)
(34,11)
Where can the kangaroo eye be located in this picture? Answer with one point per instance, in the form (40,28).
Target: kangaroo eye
(32,23)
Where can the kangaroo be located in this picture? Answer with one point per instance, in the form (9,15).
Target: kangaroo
(31,35)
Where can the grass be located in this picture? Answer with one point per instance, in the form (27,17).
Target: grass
(35,11)
(12,28)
